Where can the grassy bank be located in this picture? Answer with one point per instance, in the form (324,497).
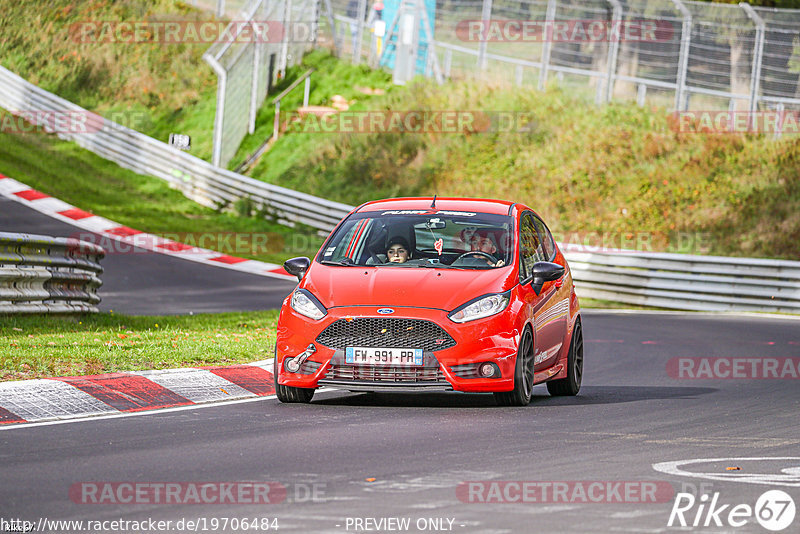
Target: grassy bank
(105,343)
(77,176)
(618,173)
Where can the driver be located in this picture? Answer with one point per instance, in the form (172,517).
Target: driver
(397,250)
(484,241)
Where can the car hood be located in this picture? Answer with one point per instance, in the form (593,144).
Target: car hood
(444,289)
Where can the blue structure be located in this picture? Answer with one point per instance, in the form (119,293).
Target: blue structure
(390,11)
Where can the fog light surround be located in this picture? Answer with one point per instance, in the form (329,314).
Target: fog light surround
(488,370)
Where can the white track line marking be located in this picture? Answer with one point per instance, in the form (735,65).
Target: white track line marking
(790,476)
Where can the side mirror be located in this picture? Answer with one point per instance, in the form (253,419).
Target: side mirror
(545,271)
(297,266)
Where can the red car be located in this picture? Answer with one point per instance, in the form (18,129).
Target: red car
(421,294)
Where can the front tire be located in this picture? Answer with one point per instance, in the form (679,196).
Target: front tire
(290,394)
(523,375)
(569,386)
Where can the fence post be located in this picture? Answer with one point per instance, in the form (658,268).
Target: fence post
(220,8)
(486,15)
(448,62)
(779,108)
(613,46)
(549,16)
(359,37)
(219,115)
(758,50)
(283,59)
(683,60)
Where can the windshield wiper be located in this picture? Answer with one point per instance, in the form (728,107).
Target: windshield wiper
(344,262)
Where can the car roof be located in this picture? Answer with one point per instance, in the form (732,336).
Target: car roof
(480,205)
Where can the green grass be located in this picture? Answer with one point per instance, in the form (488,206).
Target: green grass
(31,347)
(155,88)
(77,176)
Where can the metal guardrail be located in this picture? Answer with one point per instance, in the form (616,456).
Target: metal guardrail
(199,180)
(684,282)
(41,274)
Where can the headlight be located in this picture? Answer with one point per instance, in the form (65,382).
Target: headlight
(304,303)
(481,307)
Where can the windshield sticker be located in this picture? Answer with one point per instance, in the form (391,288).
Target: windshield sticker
(329,251)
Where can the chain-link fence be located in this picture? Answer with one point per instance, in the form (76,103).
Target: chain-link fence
(677,54)
(264,39)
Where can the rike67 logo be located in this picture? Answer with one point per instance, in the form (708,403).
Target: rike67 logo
(774,510)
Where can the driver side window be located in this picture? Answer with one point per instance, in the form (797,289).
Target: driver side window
(530,248)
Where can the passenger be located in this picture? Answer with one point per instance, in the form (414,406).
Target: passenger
(397,250)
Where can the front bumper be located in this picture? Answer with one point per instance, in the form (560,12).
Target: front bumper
(493,339)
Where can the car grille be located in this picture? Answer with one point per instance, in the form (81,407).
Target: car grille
(385,332)
(383,373)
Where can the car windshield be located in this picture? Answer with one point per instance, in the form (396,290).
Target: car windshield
(422,238)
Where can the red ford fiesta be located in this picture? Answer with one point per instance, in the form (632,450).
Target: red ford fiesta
(421,294)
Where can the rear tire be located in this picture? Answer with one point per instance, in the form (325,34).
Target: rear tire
(523,375)
(569,386)
(290,394)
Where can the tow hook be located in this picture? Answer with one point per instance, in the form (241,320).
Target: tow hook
(294,364)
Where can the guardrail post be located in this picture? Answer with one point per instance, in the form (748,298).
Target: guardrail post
(549,16)
(758,51)
(486,16)
(613,46)
(683,58)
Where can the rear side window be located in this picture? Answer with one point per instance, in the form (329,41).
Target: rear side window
(546,237)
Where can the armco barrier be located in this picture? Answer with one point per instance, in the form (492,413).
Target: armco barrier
(684,282)
(199,180)
(41,274)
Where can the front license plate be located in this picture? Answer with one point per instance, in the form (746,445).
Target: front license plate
(382,356)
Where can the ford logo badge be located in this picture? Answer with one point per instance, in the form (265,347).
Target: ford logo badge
(385,311)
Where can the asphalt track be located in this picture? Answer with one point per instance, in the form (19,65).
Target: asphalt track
(374,457)
(148,283)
